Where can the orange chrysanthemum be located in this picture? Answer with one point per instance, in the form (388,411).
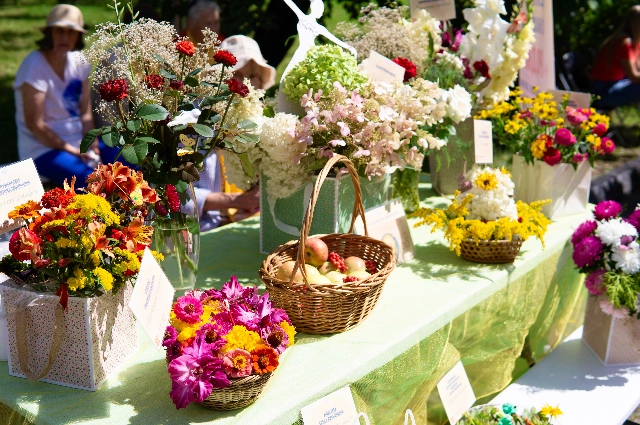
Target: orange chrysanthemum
(27,210)
(265,360)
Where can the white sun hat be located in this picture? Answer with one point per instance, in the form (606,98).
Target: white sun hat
(246,49)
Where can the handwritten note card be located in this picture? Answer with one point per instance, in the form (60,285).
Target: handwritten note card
(19,183)
(456,393)
(152,298)
(483,140)
(382,69)
(442,10)
(337,408)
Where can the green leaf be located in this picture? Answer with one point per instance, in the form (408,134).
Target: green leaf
(269,112)
(134,125)
(179,127)
(148,139)
(203,130)
(191,82)
(181,186)
(112,137)
(159,58)
(152,112)
(166,74)
(129,154)
(137,152)
(213,120)
(246,164)
(194,72)
(247,125)
(88,139)
(248,138)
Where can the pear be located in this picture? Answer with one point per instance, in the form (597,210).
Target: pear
(285,271)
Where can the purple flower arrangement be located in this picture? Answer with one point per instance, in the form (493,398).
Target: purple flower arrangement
(607,250)
(217,336)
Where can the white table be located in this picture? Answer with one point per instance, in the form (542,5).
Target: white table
(571,376)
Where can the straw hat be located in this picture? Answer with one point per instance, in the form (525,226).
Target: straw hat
(65,16)
(246,49)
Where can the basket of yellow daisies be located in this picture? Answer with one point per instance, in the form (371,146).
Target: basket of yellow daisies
(483,223)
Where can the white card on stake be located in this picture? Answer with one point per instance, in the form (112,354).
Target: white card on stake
(152,298)
(483,140)
(19,183)
(382,69)
(337,408)
(456,393)
(442,10)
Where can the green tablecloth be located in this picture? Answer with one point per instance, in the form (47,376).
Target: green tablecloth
(434,311)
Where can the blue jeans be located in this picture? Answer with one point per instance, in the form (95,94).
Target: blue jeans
(57,165)
(615,93)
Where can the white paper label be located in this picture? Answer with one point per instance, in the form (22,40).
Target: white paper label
(388,223)
(337,408)
(19,183)
(442,10)
(576,99)
(483,140)
(456,393)
(152,298)
(382,69)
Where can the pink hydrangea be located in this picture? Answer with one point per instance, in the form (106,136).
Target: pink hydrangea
(595,282)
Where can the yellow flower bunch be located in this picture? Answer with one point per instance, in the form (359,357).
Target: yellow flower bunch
(531,222)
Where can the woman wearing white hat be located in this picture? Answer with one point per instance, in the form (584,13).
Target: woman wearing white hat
(251,63)
(52,95)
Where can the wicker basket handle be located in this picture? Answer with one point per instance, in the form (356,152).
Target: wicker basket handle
(358,209)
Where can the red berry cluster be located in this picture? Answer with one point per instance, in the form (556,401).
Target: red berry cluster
(349,279)
(338,262)
(372,266)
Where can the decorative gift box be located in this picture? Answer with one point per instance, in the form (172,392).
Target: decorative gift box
(281,219)
(80,348)
(568,188)
(614,341)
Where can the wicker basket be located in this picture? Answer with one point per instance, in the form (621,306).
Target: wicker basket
(241,393)
(334,307)
(493,252)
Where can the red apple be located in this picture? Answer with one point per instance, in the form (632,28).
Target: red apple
(316,252)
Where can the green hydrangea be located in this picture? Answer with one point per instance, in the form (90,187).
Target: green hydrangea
(322,66)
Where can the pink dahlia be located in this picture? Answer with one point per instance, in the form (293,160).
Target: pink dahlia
(607,145)
(565,137)
(587,251)
(585,229)
(595,282)
(607,209)
(237,363)
(188,309)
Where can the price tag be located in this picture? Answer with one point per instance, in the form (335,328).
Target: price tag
(442,10)
(483,141)
(456,393)
(337,408)
(152,298)
(388,223)
(381,69)
(19,183)
(576,99)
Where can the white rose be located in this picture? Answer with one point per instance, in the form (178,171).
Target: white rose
(458,103)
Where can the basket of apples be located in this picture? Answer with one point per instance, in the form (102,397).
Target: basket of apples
(328,283)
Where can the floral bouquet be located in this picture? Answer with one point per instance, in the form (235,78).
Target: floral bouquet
(83,244)
(220,339)
(484,210)
(507,415)
(539,129)
(607,250)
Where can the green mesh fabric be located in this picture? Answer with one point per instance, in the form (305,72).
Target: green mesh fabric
(433,311)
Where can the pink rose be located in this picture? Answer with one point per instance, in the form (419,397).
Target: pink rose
(565,137)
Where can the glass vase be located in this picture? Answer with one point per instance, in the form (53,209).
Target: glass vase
(177,237)
(405,187)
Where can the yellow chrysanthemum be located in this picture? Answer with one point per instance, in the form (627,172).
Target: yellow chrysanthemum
(188,332)
(105,278)
(78,280)
(290,331)
(549,410)
(242,338)
(487,181)
(95,258)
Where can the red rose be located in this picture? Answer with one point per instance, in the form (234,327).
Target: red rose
(238,87)
(114,90)
(482,67)
(173,198)
(600,130)
(225,58)
(154,81)
(552,156)
(176,85)
(410,70)
(186,47)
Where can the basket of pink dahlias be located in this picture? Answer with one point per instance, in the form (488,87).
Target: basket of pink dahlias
(232,337)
